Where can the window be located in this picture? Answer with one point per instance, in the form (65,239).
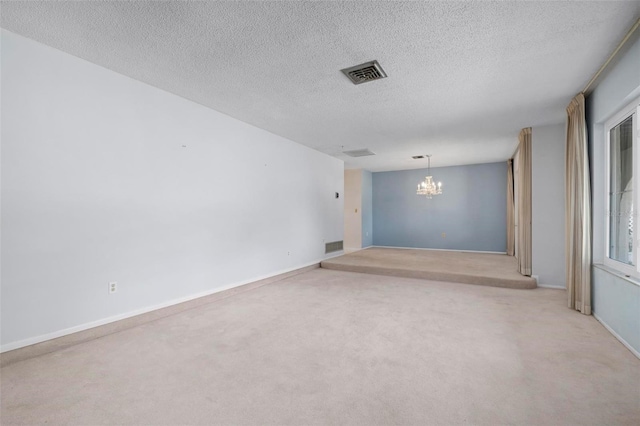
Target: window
(516,188)
(622,169)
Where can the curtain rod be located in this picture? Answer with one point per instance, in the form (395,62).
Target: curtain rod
(615,52)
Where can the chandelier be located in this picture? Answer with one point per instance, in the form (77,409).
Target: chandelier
(428,187)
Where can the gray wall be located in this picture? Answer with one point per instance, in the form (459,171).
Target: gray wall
(619,86)
(97,187)
(613,296)
(471,212)
(367,208)
(548,193)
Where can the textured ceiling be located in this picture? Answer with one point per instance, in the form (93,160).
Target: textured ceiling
(464,77)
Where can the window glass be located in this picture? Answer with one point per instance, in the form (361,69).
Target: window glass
(621,192)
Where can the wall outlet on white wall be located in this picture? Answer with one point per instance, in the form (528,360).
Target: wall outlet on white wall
(113,287)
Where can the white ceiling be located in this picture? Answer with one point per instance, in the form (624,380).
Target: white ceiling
(463,78)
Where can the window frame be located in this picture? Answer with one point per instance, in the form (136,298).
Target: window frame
(631,110)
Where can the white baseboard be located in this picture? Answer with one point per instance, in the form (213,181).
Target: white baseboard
(617,336)
(555,287)
(435,249)
(60,333)
(348,250)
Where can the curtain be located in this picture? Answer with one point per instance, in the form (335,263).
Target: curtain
(511,222)
(578,209)
(524,202)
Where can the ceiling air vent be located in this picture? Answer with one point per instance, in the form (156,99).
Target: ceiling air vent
(359,153)
(362,73)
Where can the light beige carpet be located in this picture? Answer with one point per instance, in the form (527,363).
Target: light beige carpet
(496,270)
(330,347)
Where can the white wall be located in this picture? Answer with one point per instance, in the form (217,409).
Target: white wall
(97,187)
(352,209)
(548,209)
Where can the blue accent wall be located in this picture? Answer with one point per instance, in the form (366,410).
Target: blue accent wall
(471,211)
(367,209)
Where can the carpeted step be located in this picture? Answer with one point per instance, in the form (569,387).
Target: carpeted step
(495,270)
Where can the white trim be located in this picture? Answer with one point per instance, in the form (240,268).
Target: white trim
(628,278)
(60,333)
(348,250)
(555,287)
(630,110)
(435,249)
(617,336)
(622,113)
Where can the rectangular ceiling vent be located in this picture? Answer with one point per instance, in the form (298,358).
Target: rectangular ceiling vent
(359,153)
(362,73)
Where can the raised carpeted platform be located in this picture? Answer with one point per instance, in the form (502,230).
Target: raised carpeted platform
(496,270)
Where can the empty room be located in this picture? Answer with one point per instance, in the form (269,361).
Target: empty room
(319,212)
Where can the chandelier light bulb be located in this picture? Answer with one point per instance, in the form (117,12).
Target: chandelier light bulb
(428,187)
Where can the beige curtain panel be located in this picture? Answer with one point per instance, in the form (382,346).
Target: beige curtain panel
(511,222)
(578,209)
(524,202)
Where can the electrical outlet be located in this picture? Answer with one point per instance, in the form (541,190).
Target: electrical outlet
(444,235)
(113,287)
